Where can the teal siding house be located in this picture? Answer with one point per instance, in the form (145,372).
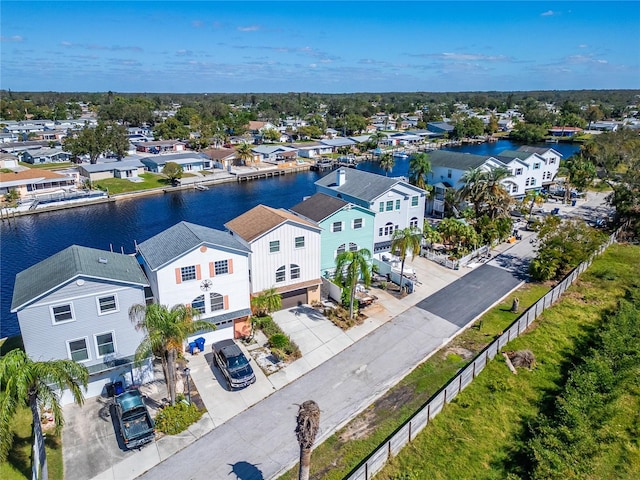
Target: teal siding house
(345,226)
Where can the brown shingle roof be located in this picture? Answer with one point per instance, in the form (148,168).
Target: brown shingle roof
(261,219)
(31,174)
(219,153)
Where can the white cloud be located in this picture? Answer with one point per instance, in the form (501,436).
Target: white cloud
(250,28)
(548,13)
(15,38)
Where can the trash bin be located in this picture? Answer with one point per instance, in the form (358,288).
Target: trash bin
(200,343)
(573,203)
(118,387)
(111,390)
(192,347)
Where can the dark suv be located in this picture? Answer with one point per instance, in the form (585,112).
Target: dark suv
(233,364)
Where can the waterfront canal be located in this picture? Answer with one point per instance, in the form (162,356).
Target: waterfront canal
(28,240)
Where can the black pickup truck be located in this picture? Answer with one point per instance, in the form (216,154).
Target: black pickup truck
(136,425)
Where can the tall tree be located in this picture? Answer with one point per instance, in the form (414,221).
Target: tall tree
(173,171)
(166,331)
(419,169)
(307,425)
(92,141)
(36,385)
(404,242)
(245,152)
(485,189)
(351,267)
(387,162)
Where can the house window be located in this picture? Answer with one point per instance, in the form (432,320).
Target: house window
(294,270)
(105,344)
(413,222)
(526,183)
(552,161)
(357,223)
(274,246)
(78,350)
(342,248)
(533,181)
(388,229)
(198,304)
(514,188)
(281,274)
(62,313)
(188,273)
(221,267)
(107,304)
(217,301)
(299,242)
(353,247)
(449,173)
(398,204)
(381,207)
(336,227)
(380,231)
(414,201)
(389,205)
(536,166)
(518,171)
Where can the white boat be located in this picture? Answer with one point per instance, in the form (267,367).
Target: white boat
(201,187)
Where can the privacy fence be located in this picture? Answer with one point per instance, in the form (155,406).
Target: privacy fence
(407,432)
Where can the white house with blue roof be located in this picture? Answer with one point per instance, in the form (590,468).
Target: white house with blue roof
(189,161)
(396,203)
(205,269)
(75,305)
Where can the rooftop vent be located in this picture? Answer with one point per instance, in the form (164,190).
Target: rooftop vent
(103,260)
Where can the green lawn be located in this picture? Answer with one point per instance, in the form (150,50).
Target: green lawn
(47,166)
(483,433)
(343,451)
(120,185)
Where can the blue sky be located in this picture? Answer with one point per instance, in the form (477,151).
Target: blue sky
(331,47)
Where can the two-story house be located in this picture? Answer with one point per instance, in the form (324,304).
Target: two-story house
(395,203)
(285,253)
(205,269)
(75,305)
(345,227)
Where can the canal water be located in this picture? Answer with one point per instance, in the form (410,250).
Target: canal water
(28,240)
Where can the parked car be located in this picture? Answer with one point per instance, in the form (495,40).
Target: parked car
(233,364)
(136,425)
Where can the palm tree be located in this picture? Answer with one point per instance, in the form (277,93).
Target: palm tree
(351,267)
(166,331)
(387,162)
(419,169)
(430,234)
(405,241)
(24,382)
(495,196)
(536,198)
(267,301)
(307,424)
(244,152)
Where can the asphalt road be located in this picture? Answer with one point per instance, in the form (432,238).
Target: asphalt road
(260,443)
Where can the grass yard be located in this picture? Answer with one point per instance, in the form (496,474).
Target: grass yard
(47,166)
(119,185)
(484,432)
(343,451)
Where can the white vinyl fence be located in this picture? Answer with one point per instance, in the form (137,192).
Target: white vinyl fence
(407,432)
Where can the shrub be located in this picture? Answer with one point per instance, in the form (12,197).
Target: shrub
(278,340)
(177,418)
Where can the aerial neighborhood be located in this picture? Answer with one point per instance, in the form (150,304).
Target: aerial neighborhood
(395,263)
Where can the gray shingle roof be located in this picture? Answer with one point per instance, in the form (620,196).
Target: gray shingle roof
(319,206)
(70,263)
(538,150)
(362,185)
(457,160)
(183,238)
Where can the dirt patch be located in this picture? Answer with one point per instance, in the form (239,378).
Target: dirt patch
(394,399)
(461,352)
(361,427)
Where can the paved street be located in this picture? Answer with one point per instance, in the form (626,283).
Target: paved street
(249,433)
(260,443)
